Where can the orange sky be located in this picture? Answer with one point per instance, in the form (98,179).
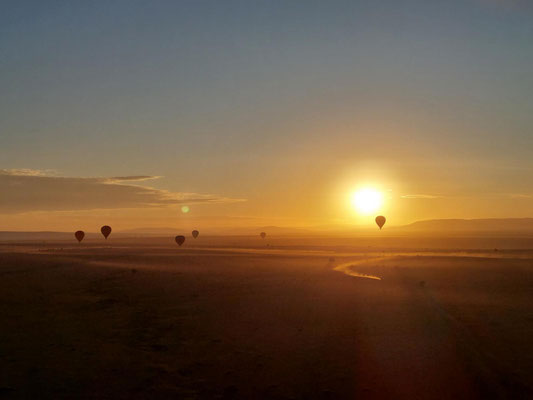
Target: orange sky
(255,114)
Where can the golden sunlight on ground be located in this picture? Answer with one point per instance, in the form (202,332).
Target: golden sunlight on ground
(366,200)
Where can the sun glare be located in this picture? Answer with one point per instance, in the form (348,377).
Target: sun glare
(367,200)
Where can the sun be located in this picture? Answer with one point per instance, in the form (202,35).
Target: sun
(367,200)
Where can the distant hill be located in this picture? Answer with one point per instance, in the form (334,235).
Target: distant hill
(150,231)
(473,225)
(217,230)
(44,235)
(434,226)
(279,230)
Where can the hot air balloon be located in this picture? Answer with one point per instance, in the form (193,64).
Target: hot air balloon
(79,235)
(195,233)
(380,220)
(263,235)
(106,230)
(179,239)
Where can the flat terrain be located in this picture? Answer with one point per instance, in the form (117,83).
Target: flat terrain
(297,319)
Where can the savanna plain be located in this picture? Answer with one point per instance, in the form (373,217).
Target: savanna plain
(281,318)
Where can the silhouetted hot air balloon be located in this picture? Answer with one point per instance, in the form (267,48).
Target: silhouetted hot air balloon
(263,235)
(79,235)
(179,239)
(195,233)
(106,230)
(380,220)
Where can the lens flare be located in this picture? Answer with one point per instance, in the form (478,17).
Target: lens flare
(367,200)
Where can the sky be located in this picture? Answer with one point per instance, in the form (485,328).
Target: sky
(253,113)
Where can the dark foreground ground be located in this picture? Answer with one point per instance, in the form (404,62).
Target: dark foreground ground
(157,322)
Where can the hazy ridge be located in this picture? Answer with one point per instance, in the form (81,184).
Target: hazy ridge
(444,226)
(474,225)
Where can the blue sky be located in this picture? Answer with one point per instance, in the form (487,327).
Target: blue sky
(277,102)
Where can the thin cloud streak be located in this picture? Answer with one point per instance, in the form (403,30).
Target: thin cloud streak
(25,190)
(136,178)
(419,196)
(27,172)
(520,195)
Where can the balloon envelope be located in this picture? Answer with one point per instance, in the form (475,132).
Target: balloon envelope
(195,233)
(106,230)
(79,235)
(380,220)
(263,234)
(180,239)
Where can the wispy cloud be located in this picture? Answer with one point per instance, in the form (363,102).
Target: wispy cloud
(520,195)
(23,190)
(27,172)
(133,178)
(419,196)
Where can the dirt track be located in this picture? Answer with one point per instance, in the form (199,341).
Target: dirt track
(151,323)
